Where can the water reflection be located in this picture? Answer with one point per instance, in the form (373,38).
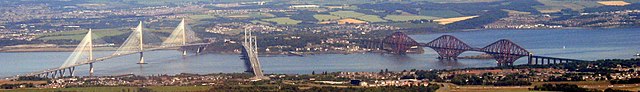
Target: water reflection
(401,59)
(449,62)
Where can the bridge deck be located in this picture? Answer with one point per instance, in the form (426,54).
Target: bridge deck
(105,58)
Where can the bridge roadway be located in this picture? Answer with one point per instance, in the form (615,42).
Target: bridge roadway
(105,58)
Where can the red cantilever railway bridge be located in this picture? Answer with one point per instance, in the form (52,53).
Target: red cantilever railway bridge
(504,51)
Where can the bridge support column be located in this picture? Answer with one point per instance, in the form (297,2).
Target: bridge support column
(71,70)
(53,75)
(530,60)
(142,58)
(198,51)
(61,73)
(554,61)
(184,52)
(90,69)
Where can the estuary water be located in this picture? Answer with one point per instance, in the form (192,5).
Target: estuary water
(585,44)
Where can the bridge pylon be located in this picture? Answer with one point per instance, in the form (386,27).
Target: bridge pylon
(184,36)
(139,31)
(180,36)
(250,55)
(90,53)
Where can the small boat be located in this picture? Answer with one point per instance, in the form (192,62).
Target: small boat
(638,54)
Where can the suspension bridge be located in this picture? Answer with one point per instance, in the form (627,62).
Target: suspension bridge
(181,36)
(504,51)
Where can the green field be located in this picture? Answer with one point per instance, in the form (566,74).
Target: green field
(252,15)
(347,14)
(357,15)
(283,21)
(371,18)
(324,17)
(408,17)
(79,34)
(554,5)
(259,22)
(119,89)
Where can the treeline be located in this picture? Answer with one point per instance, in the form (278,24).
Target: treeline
(488,79)
(562,87)
(633,6)
(31,78)
(15,86)
(570,88)
(627,81)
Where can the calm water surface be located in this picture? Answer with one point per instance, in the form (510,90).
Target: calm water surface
(587,44)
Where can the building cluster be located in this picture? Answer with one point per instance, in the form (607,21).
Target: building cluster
(134,80)
(522,21)
(236,28)
(373,79)
(595,19)
(548,74)
(356,28)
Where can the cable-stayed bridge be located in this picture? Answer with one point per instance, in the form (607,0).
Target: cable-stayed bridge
(181,36)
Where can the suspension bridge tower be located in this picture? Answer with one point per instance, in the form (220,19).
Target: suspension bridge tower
(250,54)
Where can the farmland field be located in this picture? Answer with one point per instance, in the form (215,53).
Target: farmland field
(347,14)
(283,21)
(613,3)
(350,21)
(79,34)
(452,20)
(557,5)
(515,12)
(323,17)
(371,18)
(252,15)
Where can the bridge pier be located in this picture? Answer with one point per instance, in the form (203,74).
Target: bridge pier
(184,52)
(71,70)
(198,51)
(530,58)
(142,58)
(548,61)
(61,73)
(53,75)
(90,69)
